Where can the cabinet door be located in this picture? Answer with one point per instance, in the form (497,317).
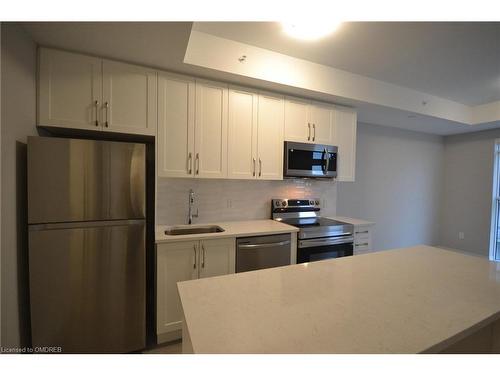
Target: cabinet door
(345,136)
(174,262)
(297,125)
(175,139)
(270,137)
(321,117)
(129,95)
(210,130)
(242,134)
(69,90)
(217,257)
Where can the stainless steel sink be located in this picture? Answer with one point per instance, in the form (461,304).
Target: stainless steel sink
(176,231)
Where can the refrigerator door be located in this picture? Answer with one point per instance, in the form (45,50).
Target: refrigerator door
(87,286)
(73,180)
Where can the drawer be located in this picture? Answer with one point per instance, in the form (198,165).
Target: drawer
(361,252)
(362,246)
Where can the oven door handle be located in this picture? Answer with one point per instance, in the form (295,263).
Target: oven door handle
(325,242)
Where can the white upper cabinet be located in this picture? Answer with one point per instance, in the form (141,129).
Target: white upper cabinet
(129,98)
(69,90)
(82,92)
(297,127)
(211,130)
(175,138)
(242,134)
(321,119)
(345,135)
(255,135)
(308,122)
(270,125)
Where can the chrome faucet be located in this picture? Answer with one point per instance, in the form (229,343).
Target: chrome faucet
(191,203)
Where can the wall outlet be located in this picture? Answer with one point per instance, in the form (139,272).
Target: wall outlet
(325,203)
(229,203)
(461,235)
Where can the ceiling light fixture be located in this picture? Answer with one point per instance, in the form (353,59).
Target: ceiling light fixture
(308,30)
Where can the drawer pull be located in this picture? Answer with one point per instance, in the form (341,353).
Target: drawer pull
(361,244)
(366,231)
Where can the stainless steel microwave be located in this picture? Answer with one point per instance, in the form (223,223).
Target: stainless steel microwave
(310,160)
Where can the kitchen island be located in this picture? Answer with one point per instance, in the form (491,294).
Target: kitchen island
(414,300)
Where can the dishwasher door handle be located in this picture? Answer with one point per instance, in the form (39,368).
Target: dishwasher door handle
(263,245)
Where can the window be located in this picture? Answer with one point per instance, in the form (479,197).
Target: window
(495,211)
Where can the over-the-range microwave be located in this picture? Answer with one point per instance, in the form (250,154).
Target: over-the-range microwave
(310,160)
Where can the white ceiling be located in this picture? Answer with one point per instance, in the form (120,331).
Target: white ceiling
(456,61)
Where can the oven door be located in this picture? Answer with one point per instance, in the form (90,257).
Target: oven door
(324,248)
(309,160)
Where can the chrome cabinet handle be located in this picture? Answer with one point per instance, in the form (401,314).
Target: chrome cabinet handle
(197,163)
(106,105)
(190,163)
(361,244)
(96,105)
(314,132)
(309,131)
(253,174)
(203,252)
(194,263)
(260,167)
(362,232)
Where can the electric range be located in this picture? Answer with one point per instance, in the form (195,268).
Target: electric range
(318,237)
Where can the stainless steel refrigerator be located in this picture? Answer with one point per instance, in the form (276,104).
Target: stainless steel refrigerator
(86,216)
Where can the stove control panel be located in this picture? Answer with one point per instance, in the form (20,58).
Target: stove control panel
(296,203)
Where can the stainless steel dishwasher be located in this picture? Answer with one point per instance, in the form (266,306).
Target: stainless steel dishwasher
(255,253)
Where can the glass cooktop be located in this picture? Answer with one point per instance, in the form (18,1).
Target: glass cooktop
(306,222)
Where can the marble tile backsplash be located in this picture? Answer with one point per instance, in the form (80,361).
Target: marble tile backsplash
(227,200)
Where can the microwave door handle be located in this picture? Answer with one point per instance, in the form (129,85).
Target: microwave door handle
(327,161)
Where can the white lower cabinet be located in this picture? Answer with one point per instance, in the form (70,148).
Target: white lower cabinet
(181,261)
(363,238)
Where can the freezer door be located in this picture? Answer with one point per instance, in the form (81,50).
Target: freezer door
(82,180)
(87,286)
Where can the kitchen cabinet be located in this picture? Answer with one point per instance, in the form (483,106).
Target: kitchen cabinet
(174,262)
(363,238)
(216,257)
(82,92)
(175,138)
(210,134)
(321,117)
(129,98)
(242,134)
(192,127)
(69,90)
(345,136)
(181,261)
(309,122)
(255,135)
(270,137)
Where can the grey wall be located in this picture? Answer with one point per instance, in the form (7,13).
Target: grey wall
(467,194)
(398,185)
(18,69)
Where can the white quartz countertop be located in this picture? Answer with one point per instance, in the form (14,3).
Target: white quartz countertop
(418,299)
(351,220)
(231,229)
